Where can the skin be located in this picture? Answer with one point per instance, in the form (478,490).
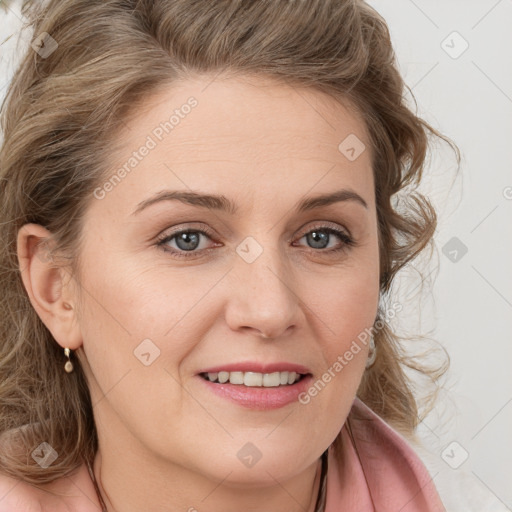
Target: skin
(166,442)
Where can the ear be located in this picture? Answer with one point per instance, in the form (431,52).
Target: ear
(48,285)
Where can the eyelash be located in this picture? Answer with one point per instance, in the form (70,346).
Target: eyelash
(347,241)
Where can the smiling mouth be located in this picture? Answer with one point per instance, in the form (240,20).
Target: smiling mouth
(254,379)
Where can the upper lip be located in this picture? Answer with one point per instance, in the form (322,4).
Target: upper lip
(256,367)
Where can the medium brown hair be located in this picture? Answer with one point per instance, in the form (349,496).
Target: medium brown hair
(60,118)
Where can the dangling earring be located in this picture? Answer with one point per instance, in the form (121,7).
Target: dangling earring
(69,365)
(372,353)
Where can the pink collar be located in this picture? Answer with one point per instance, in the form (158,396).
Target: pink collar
(381,473)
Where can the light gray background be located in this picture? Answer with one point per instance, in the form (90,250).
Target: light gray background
(468,98)
(469,308)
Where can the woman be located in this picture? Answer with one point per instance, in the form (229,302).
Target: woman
(198,204)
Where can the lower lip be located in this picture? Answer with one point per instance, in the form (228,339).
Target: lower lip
(259,398)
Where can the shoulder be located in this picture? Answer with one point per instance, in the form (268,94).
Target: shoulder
(74,492)
(17,495)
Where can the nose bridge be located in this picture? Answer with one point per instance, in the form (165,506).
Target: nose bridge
(265,298)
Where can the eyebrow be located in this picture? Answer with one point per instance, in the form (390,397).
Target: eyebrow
(222,203)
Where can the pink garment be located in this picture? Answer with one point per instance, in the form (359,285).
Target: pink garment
(384,469)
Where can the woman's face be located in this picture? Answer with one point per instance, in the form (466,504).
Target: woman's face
(158,310)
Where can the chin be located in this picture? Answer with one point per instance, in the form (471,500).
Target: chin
(252,467)
(263,475)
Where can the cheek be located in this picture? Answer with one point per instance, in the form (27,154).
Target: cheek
(135,336)
(125,317)
(346,296)
(127,304)
(344,312)
(139,324)
(346,303)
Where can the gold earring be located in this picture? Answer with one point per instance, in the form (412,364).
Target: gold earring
(372,354)
(69,365)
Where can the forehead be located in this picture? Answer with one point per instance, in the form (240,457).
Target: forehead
(214,134)
(253,106)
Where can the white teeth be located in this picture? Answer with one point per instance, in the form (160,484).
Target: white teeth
(271,380)
(236,377)
(223,377)
(254,379)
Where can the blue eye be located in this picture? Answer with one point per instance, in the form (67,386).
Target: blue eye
(187,242)
(322,235)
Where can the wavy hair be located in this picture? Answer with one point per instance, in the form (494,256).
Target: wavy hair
(60,118)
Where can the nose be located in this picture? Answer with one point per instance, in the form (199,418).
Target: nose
(262,298)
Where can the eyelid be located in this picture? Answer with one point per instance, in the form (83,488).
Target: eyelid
(200,227)
(324,224)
